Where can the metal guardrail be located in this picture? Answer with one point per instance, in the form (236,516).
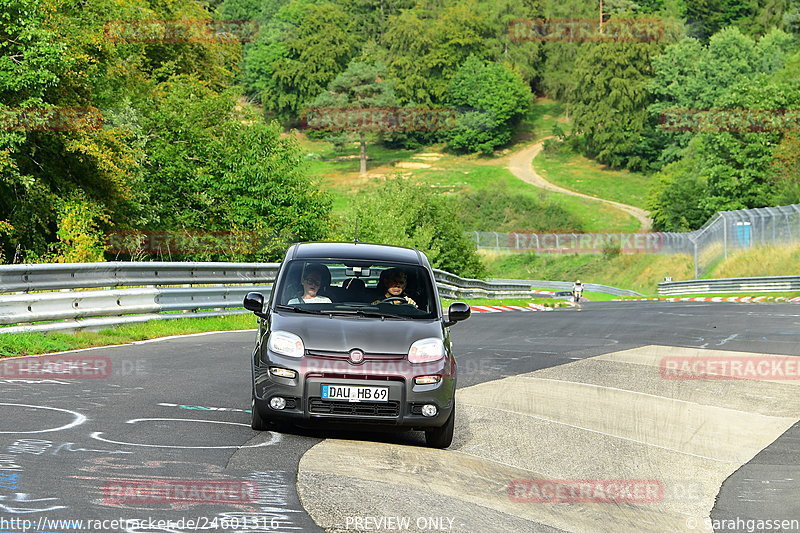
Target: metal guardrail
(58,276)
(163,291)
(59,297)
(731,285)
(451,286)
(88,294)
(567,286)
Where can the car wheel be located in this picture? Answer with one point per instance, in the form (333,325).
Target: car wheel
(442,437)
(256,421)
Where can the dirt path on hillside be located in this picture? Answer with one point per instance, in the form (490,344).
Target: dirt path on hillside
(521,165)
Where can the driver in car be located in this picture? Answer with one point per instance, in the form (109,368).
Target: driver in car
(393,281)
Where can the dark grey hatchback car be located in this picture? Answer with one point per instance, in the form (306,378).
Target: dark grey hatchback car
(354,334)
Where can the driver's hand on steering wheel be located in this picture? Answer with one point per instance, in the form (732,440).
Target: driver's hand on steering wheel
(396,300)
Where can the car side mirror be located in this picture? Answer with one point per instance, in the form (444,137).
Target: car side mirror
(458,311)
(254,301)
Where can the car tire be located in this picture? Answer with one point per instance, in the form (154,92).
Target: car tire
(256,421)
(442,436)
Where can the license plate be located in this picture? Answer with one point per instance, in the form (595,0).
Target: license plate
(354,393)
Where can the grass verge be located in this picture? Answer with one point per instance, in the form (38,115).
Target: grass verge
(640,272)
(577,173)
(37,343)
(760,261)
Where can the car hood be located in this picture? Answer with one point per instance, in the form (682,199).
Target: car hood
(342,334)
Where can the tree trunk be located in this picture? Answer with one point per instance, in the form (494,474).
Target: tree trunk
(363,155)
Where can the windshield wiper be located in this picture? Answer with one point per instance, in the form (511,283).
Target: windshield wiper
(298,309)
(359,312)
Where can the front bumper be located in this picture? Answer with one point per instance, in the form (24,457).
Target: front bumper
(305,405)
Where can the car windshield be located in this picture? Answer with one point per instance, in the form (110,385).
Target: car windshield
(361,289)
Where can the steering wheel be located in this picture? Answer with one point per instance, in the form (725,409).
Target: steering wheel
(394,299)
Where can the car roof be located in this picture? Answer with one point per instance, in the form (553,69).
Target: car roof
(358,251)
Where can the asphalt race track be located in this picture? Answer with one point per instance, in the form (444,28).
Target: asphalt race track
(160,435)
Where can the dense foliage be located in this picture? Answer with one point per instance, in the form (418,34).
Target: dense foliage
(168,144)
(171,132)
(404,214)
(491,100)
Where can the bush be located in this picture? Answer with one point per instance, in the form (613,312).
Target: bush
(494,100)
(611,250)
(404,214)
(502,210)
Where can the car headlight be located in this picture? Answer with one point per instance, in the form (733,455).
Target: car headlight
(426,350)
(285,343)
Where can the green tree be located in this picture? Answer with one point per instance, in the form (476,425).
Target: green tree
(690,76)
(558,77)
(738,164)
(298,54)
(42,55)
(785,171)
(523,57)
(707,17)
(676,197)
(61,55)
(362,86)
(493,99)
(401,213)
(426,46)
(609,104)
(769,14)
(371,16)
(195,181)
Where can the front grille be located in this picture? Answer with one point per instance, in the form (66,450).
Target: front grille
(330,375)
(387,409)
(367,356)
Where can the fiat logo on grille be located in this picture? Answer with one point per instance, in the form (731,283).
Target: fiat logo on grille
(356,356)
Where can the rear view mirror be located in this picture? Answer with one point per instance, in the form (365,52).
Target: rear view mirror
(357,272)
(458,311)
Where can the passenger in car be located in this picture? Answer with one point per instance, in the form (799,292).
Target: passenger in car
(312,281)
(393,282)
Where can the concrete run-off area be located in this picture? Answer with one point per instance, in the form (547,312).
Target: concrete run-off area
(524,443)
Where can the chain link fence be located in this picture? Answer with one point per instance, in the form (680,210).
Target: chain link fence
(725,232)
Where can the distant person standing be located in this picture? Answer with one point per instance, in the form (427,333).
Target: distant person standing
(577,291)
